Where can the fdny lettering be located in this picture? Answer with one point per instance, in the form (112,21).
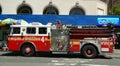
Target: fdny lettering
(29,38)
(42,39)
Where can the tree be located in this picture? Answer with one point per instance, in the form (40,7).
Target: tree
(116,10)
(114,7)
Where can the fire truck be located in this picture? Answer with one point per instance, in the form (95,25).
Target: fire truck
(90,41)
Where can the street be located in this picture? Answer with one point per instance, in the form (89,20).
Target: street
(14,59)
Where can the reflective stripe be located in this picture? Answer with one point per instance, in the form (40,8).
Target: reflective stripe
(75,43)
(104,49)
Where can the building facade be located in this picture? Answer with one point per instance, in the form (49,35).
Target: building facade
(58,7)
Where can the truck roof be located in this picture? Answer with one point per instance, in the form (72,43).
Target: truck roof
(34,24)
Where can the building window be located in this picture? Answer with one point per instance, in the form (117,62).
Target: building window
(100,11)
(24,9)
(77,11)
(51,10)
(0,10)
(105,1)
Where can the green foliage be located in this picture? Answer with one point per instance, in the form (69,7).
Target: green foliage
(0,35)
(115,10)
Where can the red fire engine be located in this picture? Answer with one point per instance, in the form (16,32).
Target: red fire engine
(90,41)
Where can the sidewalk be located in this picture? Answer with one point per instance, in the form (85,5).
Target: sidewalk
(116,53)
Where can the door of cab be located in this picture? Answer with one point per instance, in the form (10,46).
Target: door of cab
(60,40)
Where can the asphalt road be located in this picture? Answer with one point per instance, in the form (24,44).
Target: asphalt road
(45,59)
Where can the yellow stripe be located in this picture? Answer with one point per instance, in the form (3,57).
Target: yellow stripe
(75,40)
(74,43)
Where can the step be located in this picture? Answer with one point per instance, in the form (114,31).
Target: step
(59,52)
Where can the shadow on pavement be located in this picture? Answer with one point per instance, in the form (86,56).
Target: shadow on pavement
(49,55)
(9,54)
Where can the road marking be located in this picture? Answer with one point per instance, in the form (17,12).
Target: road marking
(54,61)
(73,64)
(59,64)
(70,62)
(83,61)
(95,65)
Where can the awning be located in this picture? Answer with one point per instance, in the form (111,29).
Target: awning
(13,21)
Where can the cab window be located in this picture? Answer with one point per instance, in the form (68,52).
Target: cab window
(42,30)
(16,30)
(31,30)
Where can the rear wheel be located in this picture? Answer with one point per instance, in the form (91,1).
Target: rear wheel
(27,50)
(89,51)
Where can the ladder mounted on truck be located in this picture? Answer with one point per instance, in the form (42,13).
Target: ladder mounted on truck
(89,31)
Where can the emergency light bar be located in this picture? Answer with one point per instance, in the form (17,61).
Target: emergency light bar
(36,23)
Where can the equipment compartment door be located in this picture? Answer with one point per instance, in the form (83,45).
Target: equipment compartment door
(60,40)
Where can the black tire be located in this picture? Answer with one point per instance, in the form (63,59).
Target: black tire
(89,51)
(27,50)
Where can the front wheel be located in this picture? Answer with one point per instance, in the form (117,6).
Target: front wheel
(27,50)
(89,51)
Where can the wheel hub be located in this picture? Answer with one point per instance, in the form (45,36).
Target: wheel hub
(89,52)
(27,50)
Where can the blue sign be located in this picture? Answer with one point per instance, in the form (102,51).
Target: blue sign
(106,21)
(65,19)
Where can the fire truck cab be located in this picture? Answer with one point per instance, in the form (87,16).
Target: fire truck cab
(36,37)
